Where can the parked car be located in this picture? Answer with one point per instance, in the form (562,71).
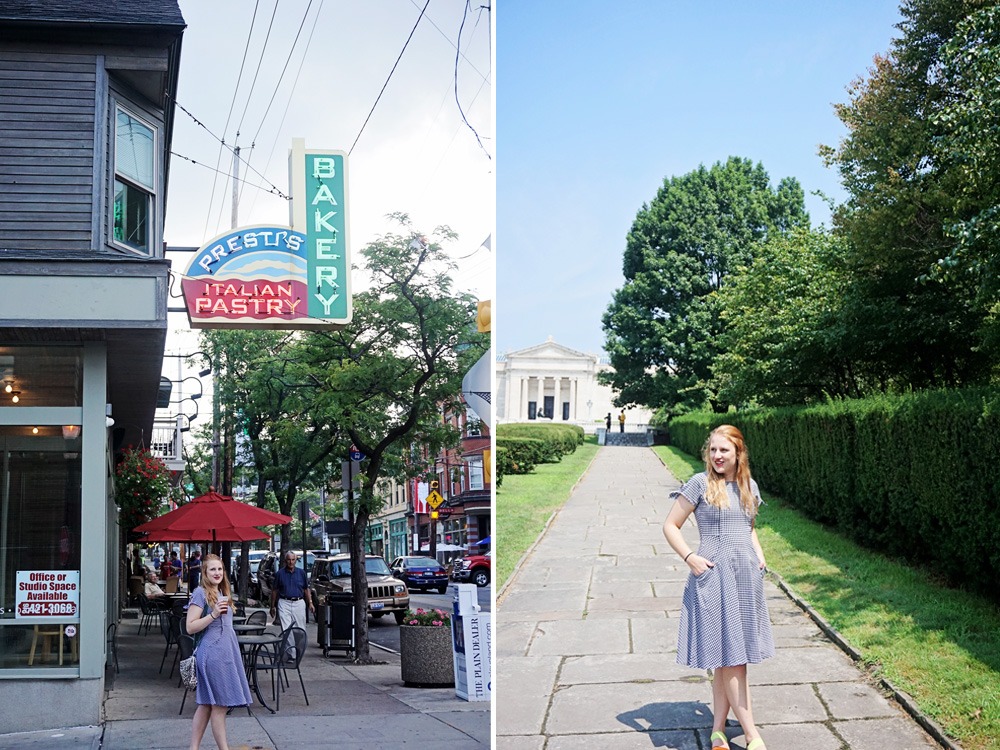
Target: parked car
(270,564)
(385,593)
(421,573)
(474,568)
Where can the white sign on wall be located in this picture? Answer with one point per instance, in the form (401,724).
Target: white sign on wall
(47,593)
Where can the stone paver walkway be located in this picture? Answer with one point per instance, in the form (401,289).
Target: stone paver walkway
(587,637)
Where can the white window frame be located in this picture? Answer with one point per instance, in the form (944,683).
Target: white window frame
(475,464)
(116,176)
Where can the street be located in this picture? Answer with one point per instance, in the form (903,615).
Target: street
(384,632)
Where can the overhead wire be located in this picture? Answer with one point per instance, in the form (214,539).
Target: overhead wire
(260,60)
(379,97)
(274,188)
(291,94)
(284,69)
(232,104)
(458,53)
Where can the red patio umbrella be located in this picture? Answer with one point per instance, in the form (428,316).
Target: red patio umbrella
(216,513)
(232,534)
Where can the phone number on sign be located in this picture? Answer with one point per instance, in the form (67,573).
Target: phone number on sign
(43,609)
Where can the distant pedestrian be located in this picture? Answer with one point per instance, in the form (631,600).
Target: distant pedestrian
(607,420)
(194,571)
(222,681)
(621,421)
(724,623)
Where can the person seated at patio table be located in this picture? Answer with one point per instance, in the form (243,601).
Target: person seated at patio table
(151,590)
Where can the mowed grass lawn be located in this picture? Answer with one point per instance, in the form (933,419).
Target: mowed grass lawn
(525,502)
(940,645)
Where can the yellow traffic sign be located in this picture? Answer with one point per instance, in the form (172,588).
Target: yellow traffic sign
(434,499)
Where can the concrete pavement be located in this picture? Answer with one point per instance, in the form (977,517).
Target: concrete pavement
(586,641)
(350,708)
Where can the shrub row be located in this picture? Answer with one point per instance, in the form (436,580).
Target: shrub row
(559,439)
(913,475)
(504,465)
(523,454)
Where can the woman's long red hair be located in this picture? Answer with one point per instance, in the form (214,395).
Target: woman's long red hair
(716,494)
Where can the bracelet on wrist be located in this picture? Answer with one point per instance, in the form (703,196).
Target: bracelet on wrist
(688,555)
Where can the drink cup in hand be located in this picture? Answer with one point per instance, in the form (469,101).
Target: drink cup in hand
(223,604)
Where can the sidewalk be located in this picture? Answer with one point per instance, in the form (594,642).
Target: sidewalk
(587,637)
(351,708)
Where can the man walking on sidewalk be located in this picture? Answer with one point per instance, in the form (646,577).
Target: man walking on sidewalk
(290,595)
(621,421)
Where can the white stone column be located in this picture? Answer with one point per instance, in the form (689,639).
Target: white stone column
(540,398)
(572,399)
(557,400)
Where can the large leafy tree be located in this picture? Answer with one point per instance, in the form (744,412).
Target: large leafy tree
(791,333)
(968,144)
(663,325)
(902,198)
(386,377)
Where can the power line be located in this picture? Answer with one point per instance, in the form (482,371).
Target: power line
(271,190)
(448,39)
(249,166)
(389,78)
(232,104)
(260,60)
(291,94)
(285,68)
(458,53)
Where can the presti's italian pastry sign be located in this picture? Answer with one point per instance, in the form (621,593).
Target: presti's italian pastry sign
(281,277)
(47,593)
(253,275)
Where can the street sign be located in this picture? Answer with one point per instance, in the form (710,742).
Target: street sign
(352,469)
(356,455)
(434,499)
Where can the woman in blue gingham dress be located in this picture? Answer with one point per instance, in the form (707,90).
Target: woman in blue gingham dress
(724,623)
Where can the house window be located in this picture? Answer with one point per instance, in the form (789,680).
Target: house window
(134,181)
(476,473)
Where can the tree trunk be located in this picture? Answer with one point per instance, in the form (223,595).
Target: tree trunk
(359,586)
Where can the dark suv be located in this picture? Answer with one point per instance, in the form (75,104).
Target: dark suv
(385,593)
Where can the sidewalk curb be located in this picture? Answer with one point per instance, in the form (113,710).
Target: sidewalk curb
(541,535)
(902,698)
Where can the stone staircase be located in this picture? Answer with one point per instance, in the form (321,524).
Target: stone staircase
(634,439)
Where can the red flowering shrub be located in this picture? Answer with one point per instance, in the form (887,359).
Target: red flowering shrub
(142,484)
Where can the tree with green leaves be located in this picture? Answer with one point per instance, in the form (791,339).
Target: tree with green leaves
(386,378)
(789,326)
(902,197)
(968,144)
(662,328)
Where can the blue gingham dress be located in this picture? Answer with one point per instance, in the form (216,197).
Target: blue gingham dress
(724,617)
(222,680)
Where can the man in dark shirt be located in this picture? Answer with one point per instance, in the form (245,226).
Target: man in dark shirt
(290,595)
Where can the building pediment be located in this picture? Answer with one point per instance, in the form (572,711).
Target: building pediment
(549,350)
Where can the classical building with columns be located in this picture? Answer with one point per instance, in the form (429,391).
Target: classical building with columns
(553,383)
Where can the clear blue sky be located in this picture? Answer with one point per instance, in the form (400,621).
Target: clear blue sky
(597,103)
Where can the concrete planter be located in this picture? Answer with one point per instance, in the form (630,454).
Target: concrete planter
(425,656)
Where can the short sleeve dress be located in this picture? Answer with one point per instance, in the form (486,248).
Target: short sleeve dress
(724,617)
(221,678)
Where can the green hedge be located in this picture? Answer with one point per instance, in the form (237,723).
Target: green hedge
(559,439)
(524,453)
(504,465)
(913,475)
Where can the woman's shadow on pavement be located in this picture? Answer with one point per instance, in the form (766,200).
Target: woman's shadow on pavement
(674,725)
